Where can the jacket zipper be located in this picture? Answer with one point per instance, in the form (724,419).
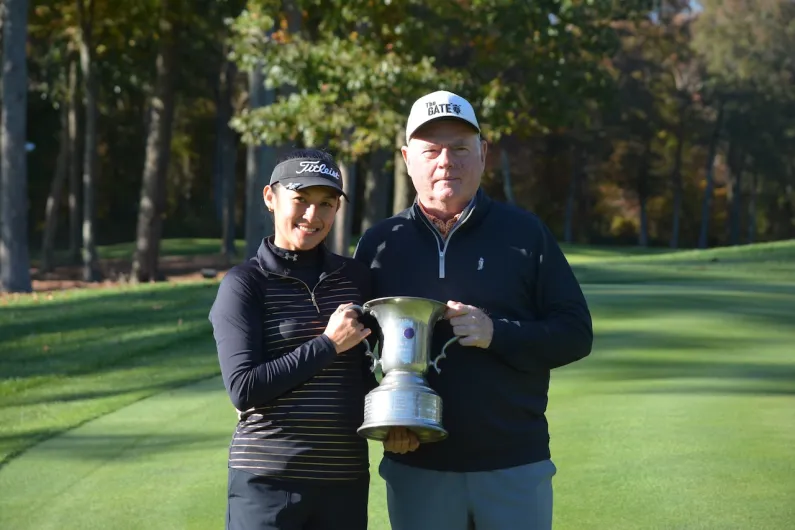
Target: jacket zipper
(443,247)
(311,290)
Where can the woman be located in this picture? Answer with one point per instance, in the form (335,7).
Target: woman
(293,363)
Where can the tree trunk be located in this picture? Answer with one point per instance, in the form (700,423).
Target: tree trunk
(341,231)
(571,200)
(788,213)
(228,226)
(221,123)
(91,272)
(376,190)
(260,160)
(14,256)
(703,238)
(676,178)
(227,155)
(158,150)
(737,167)
(643,189)
(54,199)
(404,192)
(754,192)
(76,132)
(507,186)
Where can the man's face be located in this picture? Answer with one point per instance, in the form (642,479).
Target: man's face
(302,218)
(445,160)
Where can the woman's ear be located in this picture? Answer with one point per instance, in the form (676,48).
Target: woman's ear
(269,196)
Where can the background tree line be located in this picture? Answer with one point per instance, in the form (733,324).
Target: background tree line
(640,122)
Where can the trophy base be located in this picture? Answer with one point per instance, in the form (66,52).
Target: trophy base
(403,399)
(424,433)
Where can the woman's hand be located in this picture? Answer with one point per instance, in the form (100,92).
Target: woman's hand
(344,328)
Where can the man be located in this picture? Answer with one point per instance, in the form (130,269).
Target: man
(519,312)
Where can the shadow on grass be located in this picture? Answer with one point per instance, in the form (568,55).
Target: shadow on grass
(686,272)
(89,333)
(775,308)
(21,400)
(121,447)
(107,309)
(78,358)
(672,341)
(714,390)
(697,376)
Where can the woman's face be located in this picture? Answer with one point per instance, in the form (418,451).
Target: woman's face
(302,218)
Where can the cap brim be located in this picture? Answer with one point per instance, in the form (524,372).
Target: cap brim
(308,182)
(443,118)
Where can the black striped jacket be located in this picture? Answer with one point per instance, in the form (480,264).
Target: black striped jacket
(299,402)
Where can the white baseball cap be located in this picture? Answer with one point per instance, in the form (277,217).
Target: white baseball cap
(439,105)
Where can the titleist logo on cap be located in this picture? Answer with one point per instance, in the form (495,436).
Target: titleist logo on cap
(314,166)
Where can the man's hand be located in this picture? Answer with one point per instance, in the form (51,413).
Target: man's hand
(471,324)
(400,440)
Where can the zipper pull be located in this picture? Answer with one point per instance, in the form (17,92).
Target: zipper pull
(312,293)
(441,264)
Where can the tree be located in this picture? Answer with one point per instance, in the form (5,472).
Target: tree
(158,149)
(354,85)
(14,256)
(64,166)
(85,15)
(681,90)
(747,48)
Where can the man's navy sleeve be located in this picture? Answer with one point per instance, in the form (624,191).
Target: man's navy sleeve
(250,377)
(563,333)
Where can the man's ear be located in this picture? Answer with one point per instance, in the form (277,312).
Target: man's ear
(405,152)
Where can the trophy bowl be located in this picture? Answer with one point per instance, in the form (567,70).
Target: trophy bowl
(403,398)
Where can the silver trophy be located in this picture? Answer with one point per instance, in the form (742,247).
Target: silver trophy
(403,398)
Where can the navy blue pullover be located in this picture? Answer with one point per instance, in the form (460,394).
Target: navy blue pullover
(505,261)
(299,402)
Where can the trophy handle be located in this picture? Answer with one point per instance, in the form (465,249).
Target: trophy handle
(368,352)
(443,354)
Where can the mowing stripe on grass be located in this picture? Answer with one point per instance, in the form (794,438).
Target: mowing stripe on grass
(157,464)
(683,417)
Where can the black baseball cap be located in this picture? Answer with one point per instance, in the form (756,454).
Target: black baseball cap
(299,173)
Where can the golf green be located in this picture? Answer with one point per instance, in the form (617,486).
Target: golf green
(682,418)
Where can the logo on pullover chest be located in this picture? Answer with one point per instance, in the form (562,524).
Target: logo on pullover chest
(480,264)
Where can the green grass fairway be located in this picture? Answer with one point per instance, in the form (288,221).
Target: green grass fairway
(168,247)
(159,463)
(762,263)
(683,418)
(75,355)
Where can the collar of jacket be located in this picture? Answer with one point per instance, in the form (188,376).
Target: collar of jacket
(269,262)
(478,207)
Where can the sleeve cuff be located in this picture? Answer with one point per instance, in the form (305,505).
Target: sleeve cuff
(326,345)
(503,335)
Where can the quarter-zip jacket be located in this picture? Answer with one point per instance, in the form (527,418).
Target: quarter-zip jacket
(299,402)
(505,261)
